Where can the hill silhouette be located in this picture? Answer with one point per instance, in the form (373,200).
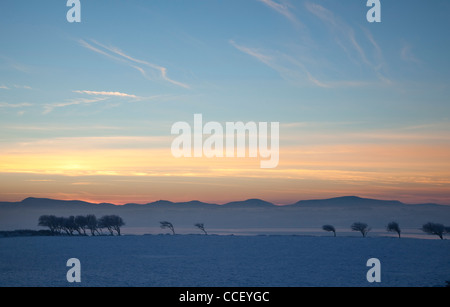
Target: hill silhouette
(345,201)
(348,201)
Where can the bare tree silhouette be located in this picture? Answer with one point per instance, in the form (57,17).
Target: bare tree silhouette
(394,227)
(92,224)
(434,229)
(69,225)
(201,226)
(166,224)
(49,221)
(363,228)
(112,223)
(81,222)
(329,228)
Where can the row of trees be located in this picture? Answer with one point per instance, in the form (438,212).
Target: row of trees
(169,225)
(82,224)
(363,228)
(429,228)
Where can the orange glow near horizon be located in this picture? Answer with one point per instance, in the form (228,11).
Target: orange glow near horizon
(411,173)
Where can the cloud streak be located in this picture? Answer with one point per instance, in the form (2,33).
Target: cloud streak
(113,94)
(283,9)
(345,37)
(118,55)
(291,69)
(274,62)
(344,34)
(15,105)
(25,87)
(307,63)
(71,102)
(15,65)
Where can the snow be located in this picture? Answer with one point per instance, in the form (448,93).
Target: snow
(229,261)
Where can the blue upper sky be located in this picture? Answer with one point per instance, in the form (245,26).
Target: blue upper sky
(291,61)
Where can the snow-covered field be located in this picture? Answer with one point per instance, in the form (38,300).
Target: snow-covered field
(231,261)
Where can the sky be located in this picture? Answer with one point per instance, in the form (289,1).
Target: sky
(86,109)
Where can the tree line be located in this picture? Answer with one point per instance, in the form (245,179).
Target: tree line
(429,228)
(82,224)
(169,225)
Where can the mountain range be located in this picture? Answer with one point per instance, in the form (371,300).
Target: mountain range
(346,201)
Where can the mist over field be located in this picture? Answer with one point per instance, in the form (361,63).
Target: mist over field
(241,217)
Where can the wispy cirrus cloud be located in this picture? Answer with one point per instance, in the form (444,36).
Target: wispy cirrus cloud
(101,96)
(343,33)
(25,87)
(15,105)
(286,66)
(15,86)
(118,55)
(308,61)
(71,102)
(283,8)
(293,70)
(345,37)
(51,127)
(11,63)
(110,94)
(131,97)
(266,59)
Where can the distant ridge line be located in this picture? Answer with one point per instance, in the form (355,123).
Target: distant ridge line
(249,203)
